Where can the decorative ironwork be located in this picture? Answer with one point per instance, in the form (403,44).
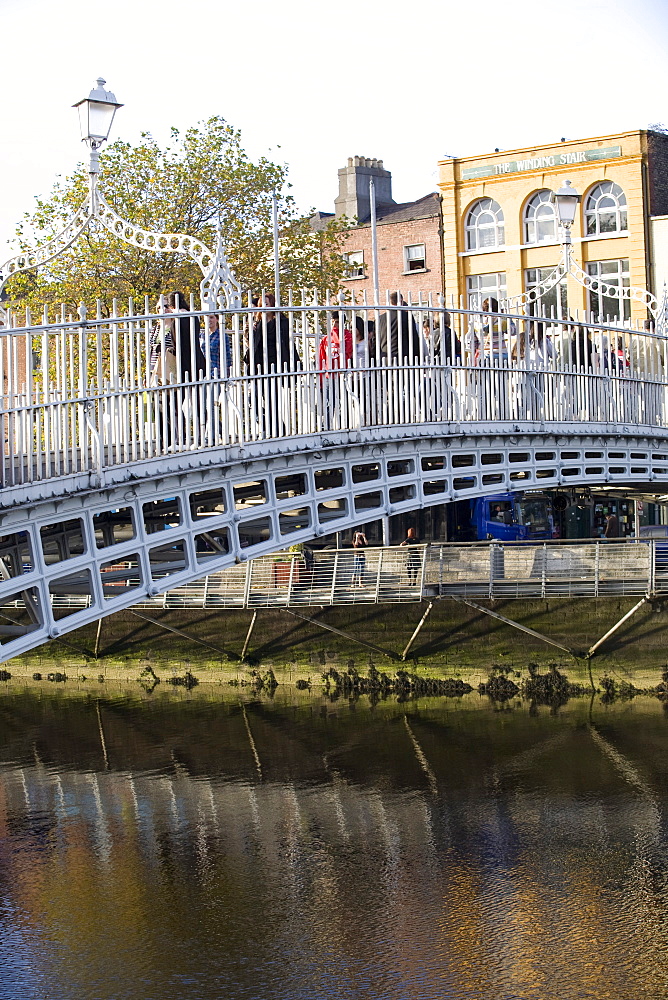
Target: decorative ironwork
(517,302)
(41,255)
(634,293)
(657,310)
(218,287)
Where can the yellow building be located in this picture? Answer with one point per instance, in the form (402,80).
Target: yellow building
(501,233)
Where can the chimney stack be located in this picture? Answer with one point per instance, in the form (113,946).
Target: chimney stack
(353,199)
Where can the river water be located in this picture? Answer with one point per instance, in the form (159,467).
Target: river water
(217,846)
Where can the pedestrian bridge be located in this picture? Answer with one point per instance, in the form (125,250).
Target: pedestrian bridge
(118,487)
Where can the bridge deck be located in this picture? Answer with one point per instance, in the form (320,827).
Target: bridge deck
(82,397)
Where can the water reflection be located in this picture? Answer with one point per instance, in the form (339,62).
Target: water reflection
(189,846)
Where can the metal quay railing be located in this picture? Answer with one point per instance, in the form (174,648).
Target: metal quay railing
(397,574)
(375,575)
(84,393)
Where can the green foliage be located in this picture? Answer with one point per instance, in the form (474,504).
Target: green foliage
(203,178)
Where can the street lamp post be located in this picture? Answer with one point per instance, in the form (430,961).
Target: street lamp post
(566,201)
(218,288)
(96,116)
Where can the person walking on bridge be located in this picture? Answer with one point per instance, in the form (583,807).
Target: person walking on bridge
(269,352)
(175,359)
(398,345)
(611,529)
(413,559)
(497,334)
(335,351)
(270,340)
(359,562)
(398,339)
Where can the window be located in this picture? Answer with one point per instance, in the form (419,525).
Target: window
(414,257)
(552,303)
(605,210)
(485,286)
(604,301)
(540,220)
(484,225)
(354,264)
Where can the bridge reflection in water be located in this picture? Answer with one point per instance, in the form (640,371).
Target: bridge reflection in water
(117,489)
(256,848)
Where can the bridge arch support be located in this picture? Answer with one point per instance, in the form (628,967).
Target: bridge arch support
(147,531)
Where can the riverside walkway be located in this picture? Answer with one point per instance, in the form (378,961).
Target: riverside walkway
(119,487)
(398,575)
(489,571)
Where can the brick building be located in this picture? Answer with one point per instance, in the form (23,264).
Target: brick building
(410,235)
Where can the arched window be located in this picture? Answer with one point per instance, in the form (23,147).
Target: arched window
(605,210)
(484,225)
(540,220)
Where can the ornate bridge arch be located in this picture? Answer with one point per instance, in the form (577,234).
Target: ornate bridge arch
(219,287)
(141,535)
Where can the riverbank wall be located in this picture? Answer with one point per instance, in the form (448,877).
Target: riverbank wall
(454,642)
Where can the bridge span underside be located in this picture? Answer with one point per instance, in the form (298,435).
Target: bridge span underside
(160,526)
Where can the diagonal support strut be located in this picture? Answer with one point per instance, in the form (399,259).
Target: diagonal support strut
(417,631)
(346,635)
(509,621)
(177,631)
(611,631)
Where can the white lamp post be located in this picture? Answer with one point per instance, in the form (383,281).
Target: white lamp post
(218,287)
(96,115)
(566,199)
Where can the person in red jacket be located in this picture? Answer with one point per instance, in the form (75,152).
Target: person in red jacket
(330,353)
(334,352)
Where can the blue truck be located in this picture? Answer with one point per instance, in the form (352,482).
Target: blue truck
(512,517)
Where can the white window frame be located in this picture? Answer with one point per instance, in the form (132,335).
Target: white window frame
(355,268)
(594,211)
(535,213)
(485,286)
(534,276)
(421,257)
(485,218)
(620,277)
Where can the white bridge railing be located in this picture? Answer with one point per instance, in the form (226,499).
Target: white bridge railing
(85,393)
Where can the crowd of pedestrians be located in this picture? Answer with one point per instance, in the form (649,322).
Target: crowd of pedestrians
(345,346)
(184,349)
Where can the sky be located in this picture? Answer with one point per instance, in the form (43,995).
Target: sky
(311,84)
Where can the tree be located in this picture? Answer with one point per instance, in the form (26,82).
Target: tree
(203,179)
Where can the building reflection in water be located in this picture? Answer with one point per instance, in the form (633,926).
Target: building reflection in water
(420,850)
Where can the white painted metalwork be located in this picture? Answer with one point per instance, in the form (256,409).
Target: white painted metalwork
(115,546)
(80,396)
(118,486)
(566,200)
(331,576)
(218,288)
(592,283)
(545,570)
(326,577)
